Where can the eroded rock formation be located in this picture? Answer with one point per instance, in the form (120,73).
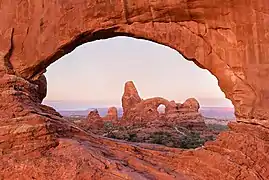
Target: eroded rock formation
(145,114)
(130,97)
(228,38)
(112,114)
(220,45)
(191,104)
(94,115)
(137,110)
(93,120)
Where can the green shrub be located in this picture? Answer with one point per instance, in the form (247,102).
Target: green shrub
(112,135)
(108,126)
(132,137)
(191,141)
(160,137)
(210,138)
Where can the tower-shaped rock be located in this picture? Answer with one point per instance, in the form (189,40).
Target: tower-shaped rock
(130,98)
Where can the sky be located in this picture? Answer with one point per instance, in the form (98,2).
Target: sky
(93,75)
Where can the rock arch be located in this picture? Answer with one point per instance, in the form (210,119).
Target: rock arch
(43,32)
(148,108)
(226,37)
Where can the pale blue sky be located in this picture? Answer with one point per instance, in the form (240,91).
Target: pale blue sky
(94,75)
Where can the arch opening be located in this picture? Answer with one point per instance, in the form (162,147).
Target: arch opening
(150,71)
(161,109)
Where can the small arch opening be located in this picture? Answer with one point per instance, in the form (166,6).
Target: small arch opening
(161,109)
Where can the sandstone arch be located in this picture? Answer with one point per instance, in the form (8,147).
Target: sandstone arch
(148,108)
(46,31)
(229,38)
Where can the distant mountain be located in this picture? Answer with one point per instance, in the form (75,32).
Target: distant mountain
(211,112)
(218,112)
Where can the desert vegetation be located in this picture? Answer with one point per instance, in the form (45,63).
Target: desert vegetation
(175,136)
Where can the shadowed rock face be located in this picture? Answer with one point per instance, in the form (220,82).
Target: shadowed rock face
(41,82)
(228,38)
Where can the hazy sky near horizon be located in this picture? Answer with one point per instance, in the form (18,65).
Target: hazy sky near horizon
(94,75)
